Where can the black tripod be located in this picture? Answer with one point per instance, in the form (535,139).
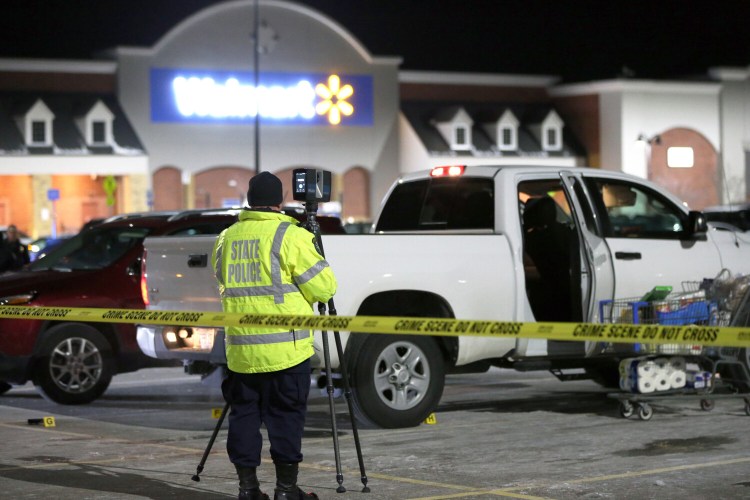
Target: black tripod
(199,469)
(311,209)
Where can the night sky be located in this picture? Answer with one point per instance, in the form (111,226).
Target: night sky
(574,39)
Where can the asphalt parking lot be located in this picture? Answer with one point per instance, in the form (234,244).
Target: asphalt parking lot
(498,435)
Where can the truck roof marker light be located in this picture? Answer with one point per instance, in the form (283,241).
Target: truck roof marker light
(448,171)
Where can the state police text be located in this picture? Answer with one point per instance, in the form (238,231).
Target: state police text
(248,270)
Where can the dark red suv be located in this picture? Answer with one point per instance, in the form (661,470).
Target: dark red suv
(73,362)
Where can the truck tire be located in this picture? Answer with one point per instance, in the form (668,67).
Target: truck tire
(396,381)
(75,364)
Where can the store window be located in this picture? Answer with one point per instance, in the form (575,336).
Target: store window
(551,132)
(96,125)
(552,139)
(680,157)
(39,132)
(508,138)
(98,132)
(36,125)
(461,137)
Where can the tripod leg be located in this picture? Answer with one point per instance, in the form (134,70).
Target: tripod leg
(348,395)
(199,469)
(332,409)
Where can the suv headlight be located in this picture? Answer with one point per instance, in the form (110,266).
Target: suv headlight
(17,300)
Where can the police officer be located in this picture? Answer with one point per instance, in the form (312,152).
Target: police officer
(265,263)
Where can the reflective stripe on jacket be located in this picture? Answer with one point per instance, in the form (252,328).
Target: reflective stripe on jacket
(266,264)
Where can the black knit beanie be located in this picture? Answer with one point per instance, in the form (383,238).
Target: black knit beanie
(265,191)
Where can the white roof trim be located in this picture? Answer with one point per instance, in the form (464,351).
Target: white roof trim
(58,66)
(651,86)
(729,74)
(75,164)
(436,77)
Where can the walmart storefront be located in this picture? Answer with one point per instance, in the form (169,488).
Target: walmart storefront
(322,101)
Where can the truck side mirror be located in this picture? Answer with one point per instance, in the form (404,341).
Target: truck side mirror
(696,223)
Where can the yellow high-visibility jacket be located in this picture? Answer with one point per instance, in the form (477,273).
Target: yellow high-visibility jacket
(266,264)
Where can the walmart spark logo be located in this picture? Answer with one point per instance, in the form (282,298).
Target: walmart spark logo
(334,98)
(280,98)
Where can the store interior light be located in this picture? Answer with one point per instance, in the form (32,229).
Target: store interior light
(680,157)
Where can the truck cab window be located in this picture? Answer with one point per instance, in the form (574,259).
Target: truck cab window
(631,211)
(440,204)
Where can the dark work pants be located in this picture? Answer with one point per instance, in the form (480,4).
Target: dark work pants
(276,399)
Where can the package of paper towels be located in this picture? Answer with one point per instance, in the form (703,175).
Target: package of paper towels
(644,375)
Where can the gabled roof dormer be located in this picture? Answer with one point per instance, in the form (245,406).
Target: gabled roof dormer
(504,131)
(455,124)
(551,133)
(36,125)
(96,125)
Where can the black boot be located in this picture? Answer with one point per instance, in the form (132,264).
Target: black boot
(286,484)
(249,484)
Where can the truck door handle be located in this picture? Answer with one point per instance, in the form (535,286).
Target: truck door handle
(628,255)
(198,260)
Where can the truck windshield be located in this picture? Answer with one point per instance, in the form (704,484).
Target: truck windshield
(91,249)
(439,204)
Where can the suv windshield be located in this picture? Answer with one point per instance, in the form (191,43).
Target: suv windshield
(95,248)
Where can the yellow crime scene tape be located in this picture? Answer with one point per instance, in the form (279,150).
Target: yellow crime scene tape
(721,336)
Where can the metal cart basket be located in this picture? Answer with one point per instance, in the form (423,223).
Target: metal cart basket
(681,371)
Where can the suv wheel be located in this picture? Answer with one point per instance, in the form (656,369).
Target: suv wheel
(397,381)
(76,364)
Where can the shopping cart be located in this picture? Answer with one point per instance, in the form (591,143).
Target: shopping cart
(661,306)
(680,371)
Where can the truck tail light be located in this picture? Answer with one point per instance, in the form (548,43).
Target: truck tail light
(448,171)
(144,287)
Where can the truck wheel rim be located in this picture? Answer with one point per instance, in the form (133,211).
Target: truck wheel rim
(76,365)
(402,375)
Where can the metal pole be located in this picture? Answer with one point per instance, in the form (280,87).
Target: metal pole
(256,72)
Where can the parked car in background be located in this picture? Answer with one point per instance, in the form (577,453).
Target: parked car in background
(42,246)
(73,362)
(358,226)
(22,237)
(737,215)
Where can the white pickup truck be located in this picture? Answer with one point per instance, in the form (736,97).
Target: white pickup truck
(477,242)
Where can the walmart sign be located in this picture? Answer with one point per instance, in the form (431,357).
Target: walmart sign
(280,98)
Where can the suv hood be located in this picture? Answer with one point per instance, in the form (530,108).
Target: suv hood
(25,281)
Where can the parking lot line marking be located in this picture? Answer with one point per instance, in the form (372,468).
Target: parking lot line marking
(95,461)
(464,491)
(99,438)
(661,470)
(499,492)
(511,492)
